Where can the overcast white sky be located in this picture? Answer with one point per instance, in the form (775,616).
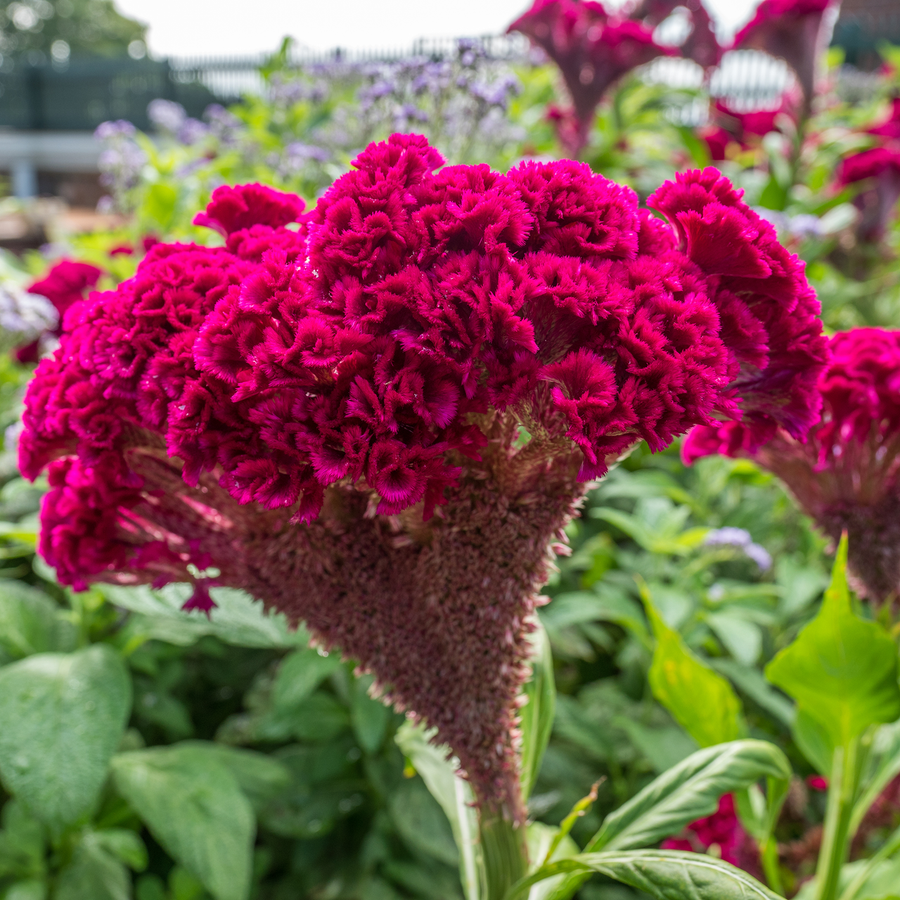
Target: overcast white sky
(212,27)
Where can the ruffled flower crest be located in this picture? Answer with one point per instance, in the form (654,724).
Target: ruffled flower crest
(380,422)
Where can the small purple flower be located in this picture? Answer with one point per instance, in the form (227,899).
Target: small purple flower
(166,115)
(740,539)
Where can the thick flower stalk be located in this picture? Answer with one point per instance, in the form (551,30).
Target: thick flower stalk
(797,31)
(846,475)
(592,49)
(379,420)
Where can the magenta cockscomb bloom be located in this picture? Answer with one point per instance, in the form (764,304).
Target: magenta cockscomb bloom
(879,168)
(592,49)
(700,44)
(723,833)
(890,127)
(379,421)
(797,31)
(64,285)
(846,475)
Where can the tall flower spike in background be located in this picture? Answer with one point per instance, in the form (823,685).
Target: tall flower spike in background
(380,421)
(592,49)
(797,31)
(847,474)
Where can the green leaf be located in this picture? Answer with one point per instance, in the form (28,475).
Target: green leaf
(700,699)
(125,844)
(299,674)
(193,806)
(689,791)
(61,718)
(884,767)
(666,874)
(93,874)
(369,717)
(537,714)
(30,622)
(238,619)
(260,777)
(841,669)
(454,796)
(32,889)
(421,822)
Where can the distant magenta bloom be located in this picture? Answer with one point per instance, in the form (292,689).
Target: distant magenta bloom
(879,169)
(64,285)
(722,832)
(379,418)
(797,31)
(592,49)
(847,474)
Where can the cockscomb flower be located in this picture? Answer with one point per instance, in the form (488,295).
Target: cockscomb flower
(64,285)
(381,424)
(592,49)
(797,31)
(890,127)
(879,167)
(722,833)
(846,475)
(700,43)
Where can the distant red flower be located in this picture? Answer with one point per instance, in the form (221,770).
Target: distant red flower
(333,417)
(701,44)
(797,31)
(877,202)
(723,833)
(890,127)
(592,49)
(64,285)
(846,475)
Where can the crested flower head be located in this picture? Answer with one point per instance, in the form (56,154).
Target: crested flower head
(797,31)
(846,473)
(380,421)
(592,49)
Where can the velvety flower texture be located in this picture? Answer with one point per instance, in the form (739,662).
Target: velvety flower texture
(592,50)
(380,421)
(846,474)
(797,31)
(64,285)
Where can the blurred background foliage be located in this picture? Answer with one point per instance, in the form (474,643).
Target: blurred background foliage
(236,761)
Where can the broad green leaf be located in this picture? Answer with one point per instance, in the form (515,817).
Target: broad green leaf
(537,714)
(22,843)
(700,699)
(689,791)
(666,540)
(421,823)
(126,845)
(30,622)
(299,674)
(32,889)
(61,718)
(742,639)
(93,874)
(665,874)
(261,777)
(454,796)
(237,619)
(841,669)
(369,717)
(814,741)
(194,807)
(750,682)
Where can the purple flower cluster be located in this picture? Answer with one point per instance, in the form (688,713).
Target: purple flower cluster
(378,416)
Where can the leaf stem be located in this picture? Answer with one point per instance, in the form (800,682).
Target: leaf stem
(837,834)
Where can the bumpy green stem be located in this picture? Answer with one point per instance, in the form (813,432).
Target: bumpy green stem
(505,855)
(837,835)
